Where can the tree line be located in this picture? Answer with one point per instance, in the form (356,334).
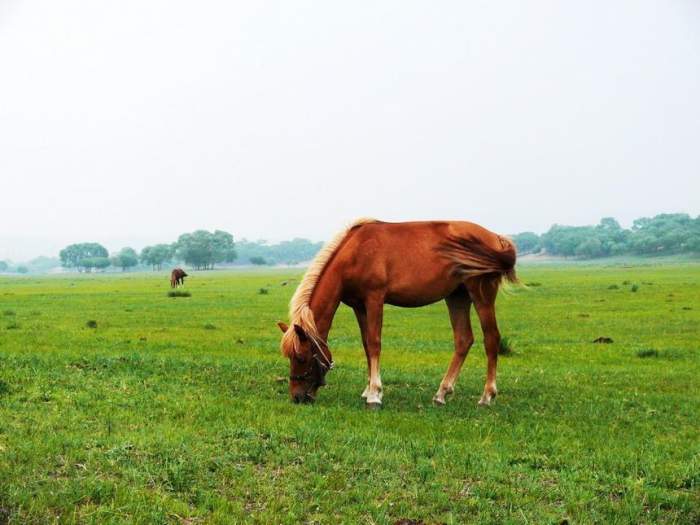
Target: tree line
(665,234)
(201,250)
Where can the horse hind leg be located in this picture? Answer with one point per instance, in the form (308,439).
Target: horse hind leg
(458,305)
(484,298)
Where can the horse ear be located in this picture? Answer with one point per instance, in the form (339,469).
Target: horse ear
(301,333)
(283,327)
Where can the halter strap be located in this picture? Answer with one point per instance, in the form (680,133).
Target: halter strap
(321,358)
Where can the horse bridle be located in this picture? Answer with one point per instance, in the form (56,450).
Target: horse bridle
(321,358)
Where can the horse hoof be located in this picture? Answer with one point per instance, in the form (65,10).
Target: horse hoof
(438,402)
(486,401)
(373,406)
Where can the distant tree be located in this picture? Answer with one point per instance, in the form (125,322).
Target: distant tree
(125,259)
(527,242)
(43,264)
(287,252)
(666,233)
(224,247)
(202,249)
(589,248)
(100,263)
(257,260)
(297,250)
(22,269)
(156,256)
(97,263)
(82,255)
(3,266)
(563,240)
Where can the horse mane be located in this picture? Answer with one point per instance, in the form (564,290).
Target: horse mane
(299,310)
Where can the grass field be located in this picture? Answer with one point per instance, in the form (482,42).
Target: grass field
(119,404)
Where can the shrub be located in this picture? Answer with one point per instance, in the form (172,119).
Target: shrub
(91,323)
(263,291)
(179,293)
(613,287)
(634,288)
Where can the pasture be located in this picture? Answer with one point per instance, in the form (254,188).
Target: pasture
(119,404)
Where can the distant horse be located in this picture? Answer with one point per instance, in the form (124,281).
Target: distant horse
(372,263)
(177,277)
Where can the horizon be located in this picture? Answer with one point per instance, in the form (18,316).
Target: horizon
(279,121)
(139,247)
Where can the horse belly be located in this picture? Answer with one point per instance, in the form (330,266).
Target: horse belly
(412,287)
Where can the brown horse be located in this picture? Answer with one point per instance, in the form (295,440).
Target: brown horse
(409,264)
(177,277)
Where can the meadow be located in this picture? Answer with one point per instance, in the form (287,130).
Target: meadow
(119,404)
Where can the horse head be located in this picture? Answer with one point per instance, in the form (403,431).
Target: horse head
(309,361)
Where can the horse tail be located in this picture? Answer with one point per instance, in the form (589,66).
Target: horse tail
(472,256)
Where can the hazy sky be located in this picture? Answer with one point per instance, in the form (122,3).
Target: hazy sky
(130,122)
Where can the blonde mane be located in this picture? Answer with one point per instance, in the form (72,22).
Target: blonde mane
(299,310)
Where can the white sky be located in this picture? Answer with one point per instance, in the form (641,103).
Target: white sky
(131,122)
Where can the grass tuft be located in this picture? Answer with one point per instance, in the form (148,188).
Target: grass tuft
(648,352)
(91,323)
(505,347)
(634,288)
(613,287)
(179,293)
(14,325)
(209,326)
(9,313)
(263,291)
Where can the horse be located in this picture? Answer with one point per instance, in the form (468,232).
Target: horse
(409,264)
(177,277)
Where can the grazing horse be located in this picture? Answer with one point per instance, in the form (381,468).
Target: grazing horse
(410,264)
(177,277)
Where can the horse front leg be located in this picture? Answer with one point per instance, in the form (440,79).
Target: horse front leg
(361,315)
(458,305)
(375,312)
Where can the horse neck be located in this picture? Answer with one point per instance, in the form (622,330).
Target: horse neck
(325,300)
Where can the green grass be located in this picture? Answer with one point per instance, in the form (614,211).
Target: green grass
(152,416)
